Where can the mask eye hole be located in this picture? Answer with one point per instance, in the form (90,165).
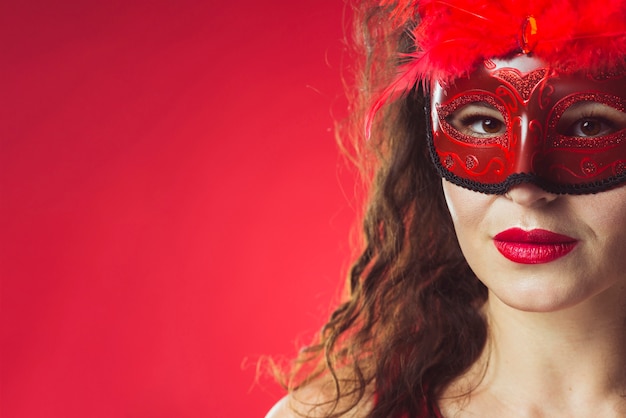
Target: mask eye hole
(478,120)
(589,119)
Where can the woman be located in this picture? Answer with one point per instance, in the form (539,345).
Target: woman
(494,284)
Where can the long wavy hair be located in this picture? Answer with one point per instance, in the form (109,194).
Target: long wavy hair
(411,322)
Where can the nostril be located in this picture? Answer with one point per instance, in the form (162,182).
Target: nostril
(529,194)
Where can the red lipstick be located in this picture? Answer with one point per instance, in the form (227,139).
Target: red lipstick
(533,247)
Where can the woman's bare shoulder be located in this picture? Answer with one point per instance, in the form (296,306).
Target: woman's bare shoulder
(281,409)
(316,400)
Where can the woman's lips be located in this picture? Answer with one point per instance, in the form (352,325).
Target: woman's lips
(533,247)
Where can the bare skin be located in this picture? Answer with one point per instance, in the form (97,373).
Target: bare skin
(568,364)
(557,330)
(317,400)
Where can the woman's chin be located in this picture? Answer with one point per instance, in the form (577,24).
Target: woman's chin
(536,299)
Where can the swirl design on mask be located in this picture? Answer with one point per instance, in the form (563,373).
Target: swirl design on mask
(505,124)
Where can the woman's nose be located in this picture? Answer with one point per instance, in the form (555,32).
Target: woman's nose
(530,195)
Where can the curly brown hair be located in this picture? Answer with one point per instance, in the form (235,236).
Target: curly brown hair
(412,322)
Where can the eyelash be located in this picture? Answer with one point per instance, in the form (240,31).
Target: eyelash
(470,119)
(468,122)
(591,115)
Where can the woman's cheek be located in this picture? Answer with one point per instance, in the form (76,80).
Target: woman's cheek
(466,207)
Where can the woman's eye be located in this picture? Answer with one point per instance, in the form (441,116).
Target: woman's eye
(485,126)
(589,119)
(590,127)
(479,120)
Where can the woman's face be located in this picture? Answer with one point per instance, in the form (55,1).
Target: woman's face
(511,244)
(517,127)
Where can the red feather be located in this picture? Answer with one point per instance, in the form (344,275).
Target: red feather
(454,36)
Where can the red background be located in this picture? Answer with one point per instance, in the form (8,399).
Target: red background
(172,201)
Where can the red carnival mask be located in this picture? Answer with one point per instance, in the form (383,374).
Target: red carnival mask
(553,115)
(519,121)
